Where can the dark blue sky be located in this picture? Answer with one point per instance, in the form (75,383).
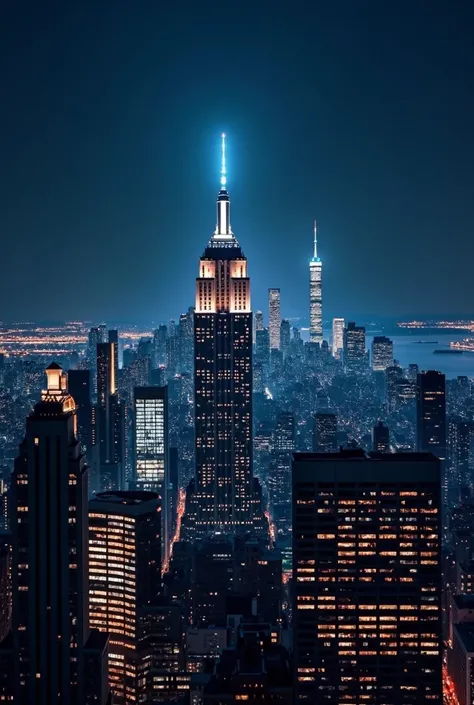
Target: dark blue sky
(357,113)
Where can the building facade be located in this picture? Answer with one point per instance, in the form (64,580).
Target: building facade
(274,318)
(338,325)
(367,578)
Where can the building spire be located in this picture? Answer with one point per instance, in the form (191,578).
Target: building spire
(223,230)
(223,164)
(315,240)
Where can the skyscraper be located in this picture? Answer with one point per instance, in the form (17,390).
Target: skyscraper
(110,421)
(355,356)
(367,577)
(279,481)
(325,433)
(151,449)
(258,320)
(274,318)
(459,441)
(124,580)
(223,492)
(186,341)
(79,385)
(381,438)
(337,336)
(50,553)
(315,294)
(285,337)
(431,413)
(382,353)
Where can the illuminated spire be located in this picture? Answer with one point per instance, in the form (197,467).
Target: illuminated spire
(315,240)
(223,165)
(223,230)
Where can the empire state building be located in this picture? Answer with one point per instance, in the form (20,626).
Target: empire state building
(224,496)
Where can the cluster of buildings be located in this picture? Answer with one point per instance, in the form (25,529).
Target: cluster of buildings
(229,513)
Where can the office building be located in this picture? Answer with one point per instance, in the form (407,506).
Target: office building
(367,578)
(315,294)
(258,320)
(151,450)
(461,665)
(110,420)
(262,348)
(431,413)
(50,625)
(186,342)
(338,325)
(279,481)
(5,585)
(382,353)
(274,318)
(380,438)
(124,581)
(459,442)
(80,388)
(285,337)
(355,356)
(159,345)
(224,494)
(324,433)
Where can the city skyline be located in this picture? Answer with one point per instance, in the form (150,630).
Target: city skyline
(122,195)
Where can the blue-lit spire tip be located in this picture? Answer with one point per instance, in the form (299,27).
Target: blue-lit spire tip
(223,166)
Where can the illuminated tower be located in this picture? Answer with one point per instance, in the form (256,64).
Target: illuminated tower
(274,318)
(337,336)
(224,486)
(50,556)
(315,294)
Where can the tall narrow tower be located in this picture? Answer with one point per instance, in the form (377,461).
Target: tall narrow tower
(315,294)
(224,486)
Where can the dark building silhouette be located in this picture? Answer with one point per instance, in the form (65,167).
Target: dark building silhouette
(459,442)
(124,580)
(324,433)
(5,585)
(431,421)
(80,388)
(50,625)
(110,420)
(381,438)
(279,480)
(367,592)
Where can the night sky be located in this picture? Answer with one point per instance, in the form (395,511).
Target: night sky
(359,114)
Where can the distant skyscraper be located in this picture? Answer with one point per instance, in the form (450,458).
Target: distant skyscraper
(285,337)
(382,353)
(262,347)
(325,433)
(381,438)
(49,562)
(355,357)
(274,318)
(110,421)
(459,442)
(159,345)
(367,593)
(124,580)
(151,449)
(337,336)
(258,320)
(80,388)
(186,341)
(279,481)
(431,413)
(223,496)
(315,294)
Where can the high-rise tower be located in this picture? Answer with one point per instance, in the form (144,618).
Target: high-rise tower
(223,494)
(315,294)
(274,318)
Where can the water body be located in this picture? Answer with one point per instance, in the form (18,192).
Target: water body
(407,350)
